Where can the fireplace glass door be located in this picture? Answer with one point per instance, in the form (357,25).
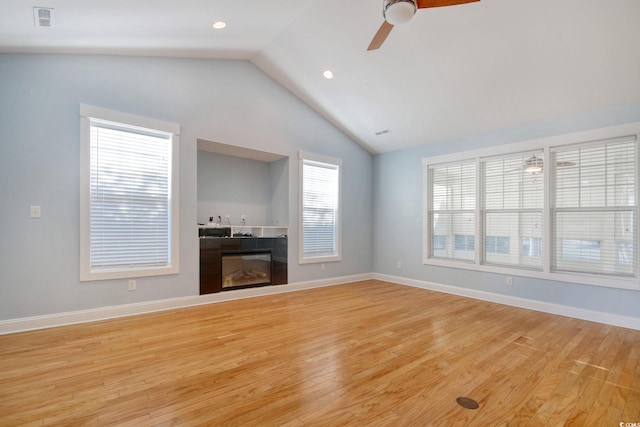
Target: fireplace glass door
(246,269)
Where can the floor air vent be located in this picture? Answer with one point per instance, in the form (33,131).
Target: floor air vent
(467,403)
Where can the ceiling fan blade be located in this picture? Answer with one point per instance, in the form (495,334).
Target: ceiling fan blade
(422,4)
(380,36)
(565,164)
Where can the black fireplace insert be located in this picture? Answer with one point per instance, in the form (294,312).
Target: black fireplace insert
(246,268)
(228,263)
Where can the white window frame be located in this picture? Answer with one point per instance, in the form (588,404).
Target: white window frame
(87,113)
(547,145)
(337,255)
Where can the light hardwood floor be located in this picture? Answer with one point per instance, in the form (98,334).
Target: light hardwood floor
(362,354)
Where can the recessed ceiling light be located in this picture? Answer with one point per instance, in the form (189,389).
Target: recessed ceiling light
(328,74)
(218,25)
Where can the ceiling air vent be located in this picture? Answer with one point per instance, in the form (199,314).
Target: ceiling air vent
(43,17)
(383,132)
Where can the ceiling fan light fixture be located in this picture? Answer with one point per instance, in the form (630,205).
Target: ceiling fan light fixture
(533,169)
(398,12)
(533,165)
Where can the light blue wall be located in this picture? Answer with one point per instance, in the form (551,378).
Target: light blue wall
(398,210)
(235,186)
(231,102)
(279,192)
(239,186)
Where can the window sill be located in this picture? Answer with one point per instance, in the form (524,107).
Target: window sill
(111,274)
(607,281)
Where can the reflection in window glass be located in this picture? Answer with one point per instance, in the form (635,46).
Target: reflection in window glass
(465,243)
(439,243)
(625,253)
(497,244)
(531,246)
(588,250)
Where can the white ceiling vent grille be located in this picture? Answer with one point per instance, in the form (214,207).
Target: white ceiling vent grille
(383,132)
(43,17)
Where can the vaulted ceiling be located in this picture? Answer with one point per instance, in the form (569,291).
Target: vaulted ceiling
(448,73)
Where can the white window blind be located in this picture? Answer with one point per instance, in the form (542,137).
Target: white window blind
(129,197)
(511,209)
(561,208)
(451,204)
(129,201)
(320,211)
(595,208)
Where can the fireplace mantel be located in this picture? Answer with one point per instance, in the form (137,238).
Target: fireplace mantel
(248,230)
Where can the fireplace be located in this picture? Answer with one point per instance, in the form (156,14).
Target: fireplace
(228,263)
(246,269)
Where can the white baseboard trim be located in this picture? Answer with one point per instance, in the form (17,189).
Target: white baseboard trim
(103,313)
(545,307)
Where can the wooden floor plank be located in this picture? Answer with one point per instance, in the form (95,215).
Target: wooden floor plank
(368,353)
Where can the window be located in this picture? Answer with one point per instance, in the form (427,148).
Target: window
(625,253)
(129,197)
(496,245)
(465,243)
(319,209)
(511,206)
(531,246)
(439,243)
(594,207)
(558,209)
(588,250)
(451,210)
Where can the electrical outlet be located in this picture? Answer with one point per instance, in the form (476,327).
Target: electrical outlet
(399,264)
(132,285)
(243,218)
(509,281)
(227,218)
(321,267)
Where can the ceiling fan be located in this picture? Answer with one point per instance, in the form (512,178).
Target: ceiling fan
(535,164)
(397,12)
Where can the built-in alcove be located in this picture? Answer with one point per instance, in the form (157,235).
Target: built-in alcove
(240,181)
(249,184)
